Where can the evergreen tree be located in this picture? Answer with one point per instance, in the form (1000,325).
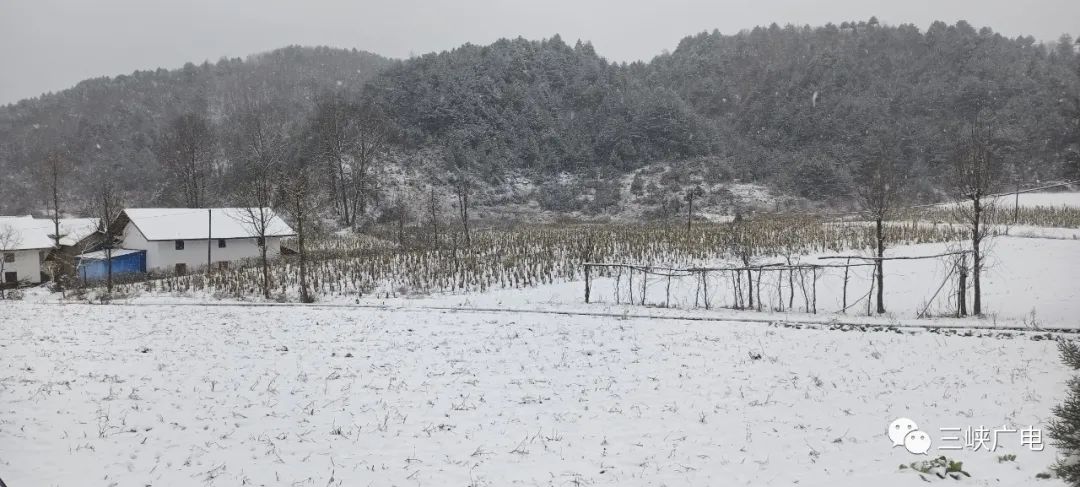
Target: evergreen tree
(1065,428)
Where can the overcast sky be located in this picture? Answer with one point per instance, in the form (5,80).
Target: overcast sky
(49,45)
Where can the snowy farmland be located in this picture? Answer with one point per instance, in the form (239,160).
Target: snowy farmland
(1028,283)
(532,386)
(227,395)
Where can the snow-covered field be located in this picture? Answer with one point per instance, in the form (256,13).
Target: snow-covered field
(535,387)
(227,395)
(1028,282)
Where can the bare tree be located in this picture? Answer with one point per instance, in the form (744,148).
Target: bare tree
(372,136)
(879,183)
(348,138)
(742,246)
(462,190)
(460,158)
(108,204)
(401,211)
(186,150)
(10,238)
(301,206)
(54,170)
(975,174)
(434,215)
(260,145)
(695,192)
(258,220)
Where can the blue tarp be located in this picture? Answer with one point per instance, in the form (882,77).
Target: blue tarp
(94,267)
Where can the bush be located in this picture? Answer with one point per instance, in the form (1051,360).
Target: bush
(637,185)
(941,467)
(605,195)
(560,197)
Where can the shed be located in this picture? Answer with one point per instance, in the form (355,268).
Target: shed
(94,266)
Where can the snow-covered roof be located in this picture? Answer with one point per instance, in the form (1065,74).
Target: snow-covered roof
(100,254)
(76,229)
(34,233)
(195,223)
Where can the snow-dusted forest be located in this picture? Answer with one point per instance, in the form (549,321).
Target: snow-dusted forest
(553,125)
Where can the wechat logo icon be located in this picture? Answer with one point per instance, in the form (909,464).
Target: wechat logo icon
(904,432)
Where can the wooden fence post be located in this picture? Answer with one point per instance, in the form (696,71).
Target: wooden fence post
(667,297)
(644,282)
(618,286)
(780,289)
(736,285)
(697,291)
(705,284)
(871,293)
(759,288)
(847,266)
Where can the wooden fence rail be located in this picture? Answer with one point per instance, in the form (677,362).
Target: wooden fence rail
(746,280)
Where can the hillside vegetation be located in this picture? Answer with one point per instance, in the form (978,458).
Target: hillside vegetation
(794,108)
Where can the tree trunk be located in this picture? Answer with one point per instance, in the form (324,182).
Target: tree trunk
(108,267)
(434,221)
(689,212)
(976,255)
(880,266)
(343,193)
(209,239)
(304,297)
(750,289)
(961,292)
(463,199)
(587,283)
(265,268)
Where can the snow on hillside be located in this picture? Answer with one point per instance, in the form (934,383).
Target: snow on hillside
(1028,200)
(176,395)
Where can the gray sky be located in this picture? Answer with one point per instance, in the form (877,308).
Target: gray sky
(49,45)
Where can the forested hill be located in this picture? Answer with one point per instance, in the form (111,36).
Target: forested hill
(794,107)
(112,122)
(797,108)
(808,104)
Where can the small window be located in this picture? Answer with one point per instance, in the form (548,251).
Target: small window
(221,243)
(11,277)
(223,265)
(179,245)
(260,241)
(9,258)
(180,269)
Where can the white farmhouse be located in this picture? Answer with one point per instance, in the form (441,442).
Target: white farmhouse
(182,239)
(25,243)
